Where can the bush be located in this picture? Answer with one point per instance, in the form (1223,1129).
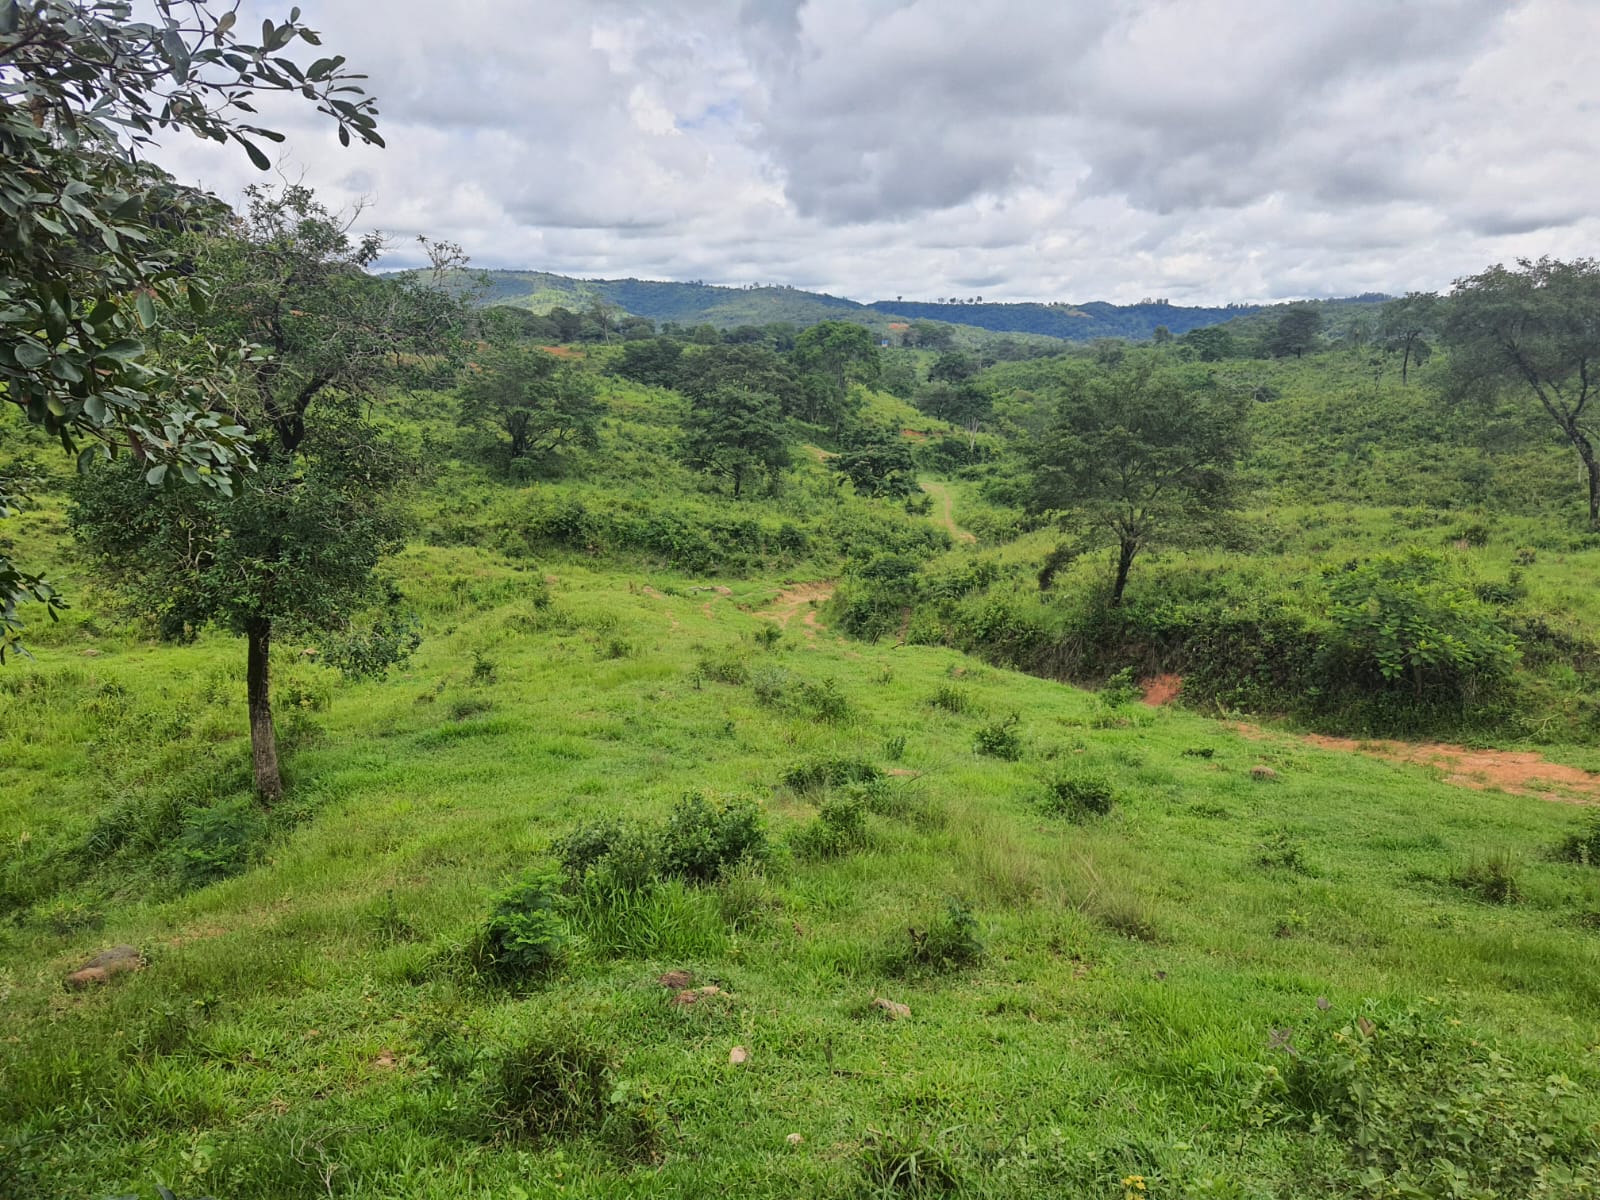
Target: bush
(915,1163)
(1583,845)
(1422,1108)
(217,842)
(817,774)
(1283,851)
(617,855)
(724,666)
(951,698)
(950,940)
(1000,739)
(1078,794)
(702,840)
(555,1084)
(770,685)
(524,934)
(840,827)
(825,702)
(1492,878)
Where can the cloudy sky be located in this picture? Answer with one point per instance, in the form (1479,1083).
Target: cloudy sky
(1202,150)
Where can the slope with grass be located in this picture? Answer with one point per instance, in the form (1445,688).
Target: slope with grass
(1141,952)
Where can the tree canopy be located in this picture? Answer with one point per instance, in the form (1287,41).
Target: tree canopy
(1536,330)
(85,270)
(1141,454)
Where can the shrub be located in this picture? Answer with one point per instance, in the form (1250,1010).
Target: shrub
(483,667)
(1492,878)
(1422,1108)
(1000,739)
(615,855)
(701,840)
(469,706)
(894,748)
(816,774)
(770,685)
(951,698)
(1583,845)
(825,702)
(217,842)
(1283,851)
(557,1083)
(950,940)
(1120,689)
(724,666)
(1078,794)
(524,934)
(1408,619)
(840,827)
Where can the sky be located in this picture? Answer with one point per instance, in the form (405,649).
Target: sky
(1204,151)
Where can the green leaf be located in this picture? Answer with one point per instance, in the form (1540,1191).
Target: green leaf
(147,309)
(31,354)
(261,161)
(156,474)
(95,409)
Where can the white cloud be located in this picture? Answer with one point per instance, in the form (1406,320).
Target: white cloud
(1205,150)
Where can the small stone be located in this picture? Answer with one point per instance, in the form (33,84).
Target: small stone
(1263,773)
(676,980)
(118,960)
(794,1139)
(891,1009)
(738,1055)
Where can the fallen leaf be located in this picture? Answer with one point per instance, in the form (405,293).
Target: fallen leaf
(738,1055)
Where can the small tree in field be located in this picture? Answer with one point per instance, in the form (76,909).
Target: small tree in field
(1535,330)
(736,434)
(295,548)
(1140,455)
(539,403)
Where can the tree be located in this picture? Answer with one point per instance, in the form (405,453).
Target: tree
(83,274)
(953,366)
(836,353)
(295,548)
(1212,343)
(1295,332)
(1141,455)
(540,403)
(877,460)
(651,361)
(1404,327)
(736,433)
(1536,329)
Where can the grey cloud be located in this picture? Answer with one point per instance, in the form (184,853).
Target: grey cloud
(1201,149)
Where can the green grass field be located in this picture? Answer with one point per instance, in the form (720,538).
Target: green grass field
(1339,976)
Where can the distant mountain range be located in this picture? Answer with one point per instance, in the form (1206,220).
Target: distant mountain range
(725,307)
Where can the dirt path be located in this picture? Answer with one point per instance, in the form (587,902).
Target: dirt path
(788,603)
(1519,772)
(942,497)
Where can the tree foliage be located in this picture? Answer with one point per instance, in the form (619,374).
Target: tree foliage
(1536,330)
(736,433)
(541,404)
(1142,454)
(1295,332)
(1406,327)
(877,461)
(84,90)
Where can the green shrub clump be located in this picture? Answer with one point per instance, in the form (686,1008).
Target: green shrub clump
(1583,845)
(1078,794)
(524,934)
(950,940)
(698,842)
(840,827)
(217,842)
(1000,739)
(817,774)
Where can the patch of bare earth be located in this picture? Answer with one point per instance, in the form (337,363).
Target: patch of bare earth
(1518,772)
(1162,689)
(787,604)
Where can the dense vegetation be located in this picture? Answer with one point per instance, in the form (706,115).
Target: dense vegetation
(516,759)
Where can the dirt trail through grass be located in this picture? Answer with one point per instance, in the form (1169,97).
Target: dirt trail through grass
(788,603)
(941,494)
(1519,772)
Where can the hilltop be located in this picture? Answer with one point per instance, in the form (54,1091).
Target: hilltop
(696,303)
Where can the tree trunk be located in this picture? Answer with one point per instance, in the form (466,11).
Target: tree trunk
(1125,552)
(1591,470)
(263,738)
(1405,363)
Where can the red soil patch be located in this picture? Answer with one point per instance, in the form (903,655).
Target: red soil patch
(1163,689)
(788,603)
(915,435)
(1518,772)
(562,351)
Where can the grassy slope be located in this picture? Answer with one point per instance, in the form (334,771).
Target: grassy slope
(286,1038)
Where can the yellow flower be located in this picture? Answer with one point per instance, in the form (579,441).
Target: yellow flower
(1134,1183)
